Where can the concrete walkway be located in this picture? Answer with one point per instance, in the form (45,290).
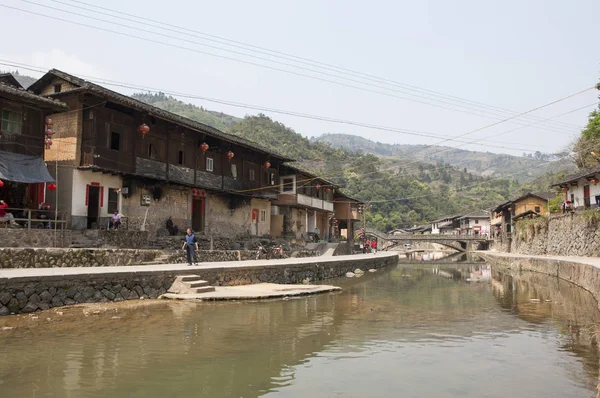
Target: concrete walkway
(253,292)
(10,273)
(593,261)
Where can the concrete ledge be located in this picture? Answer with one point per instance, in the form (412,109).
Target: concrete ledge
(254,292)
(581,271)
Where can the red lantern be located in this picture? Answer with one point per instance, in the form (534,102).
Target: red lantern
(48,142)
(49,131)
(230,155)
(47,207)
(144,129)
(204,147)
(318,187)
(267,164)
(52,186)
(49,122)
(1,183)
(595,181)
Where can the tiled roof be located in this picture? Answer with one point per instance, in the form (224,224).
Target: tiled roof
(581,174)
(31,98)
(9,79)
(84,85)
(475,215)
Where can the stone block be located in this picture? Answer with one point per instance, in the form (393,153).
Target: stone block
(79,298)
(70,301)
(108,294)
(34,299)
(5,297)
(57,302)
(29,307)
(4,310)
(44,306)
(22,299)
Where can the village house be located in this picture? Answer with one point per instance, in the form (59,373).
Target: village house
(303,207)
(474,224)
(347,217)
(446,225)
(528,205)
(581,190)
(25,182)
(114,153)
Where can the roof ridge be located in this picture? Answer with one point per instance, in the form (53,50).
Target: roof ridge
(166,114)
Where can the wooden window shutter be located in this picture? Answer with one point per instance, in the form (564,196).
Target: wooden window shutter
(87,194)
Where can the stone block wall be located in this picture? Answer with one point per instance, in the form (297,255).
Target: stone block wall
(22,237)
(574,234)
(31,295)
(52,257)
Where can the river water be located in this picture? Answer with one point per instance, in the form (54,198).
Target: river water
(449,331)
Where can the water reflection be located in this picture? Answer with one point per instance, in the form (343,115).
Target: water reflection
(389,331)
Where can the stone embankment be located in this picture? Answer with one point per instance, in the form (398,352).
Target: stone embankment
(573,234)
(32,289)
(581,271)
(57,258)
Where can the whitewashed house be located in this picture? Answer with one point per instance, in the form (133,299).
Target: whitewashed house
(582,189)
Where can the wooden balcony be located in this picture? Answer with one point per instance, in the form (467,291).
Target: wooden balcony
(299,200)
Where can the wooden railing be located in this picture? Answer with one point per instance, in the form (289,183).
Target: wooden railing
(31,218)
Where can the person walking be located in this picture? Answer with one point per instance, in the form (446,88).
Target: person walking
(374,246)
(367,246)
(191,247)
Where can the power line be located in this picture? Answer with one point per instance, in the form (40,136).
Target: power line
(261,50)
(367,89)
(280,111)
(467,133)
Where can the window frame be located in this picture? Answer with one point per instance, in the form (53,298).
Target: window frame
(263,215)
(181,157)
(286,181)
(537,209)
(110,202)
(110,141)
(251,175)
(210,164)
(151,151)
(9,122)
(233,170)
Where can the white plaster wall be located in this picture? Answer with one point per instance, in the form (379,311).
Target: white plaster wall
(578,191)
(484,223)
(81,178)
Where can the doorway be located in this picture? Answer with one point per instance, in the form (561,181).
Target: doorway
(93,206)
(586,196)
(198,215)
(254,226)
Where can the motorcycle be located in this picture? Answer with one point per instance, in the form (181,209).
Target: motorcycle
(278,252)
(261,252)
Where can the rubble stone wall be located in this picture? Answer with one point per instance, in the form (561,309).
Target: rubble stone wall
(22,237)
(574,234)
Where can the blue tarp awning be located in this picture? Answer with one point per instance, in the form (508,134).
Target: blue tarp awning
(27,169)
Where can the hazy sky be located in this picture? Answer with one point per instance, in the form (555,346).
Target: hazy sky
(514,54)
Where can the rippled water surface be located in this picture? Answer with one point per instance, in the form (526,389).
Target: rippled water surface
(404,332)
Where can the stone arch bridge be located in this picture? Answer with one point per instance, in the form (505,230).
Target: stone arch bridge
(461,243)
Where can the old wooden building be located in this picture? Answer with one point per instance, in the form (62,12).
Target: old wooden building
(117,153)
(304,206)
(23,173)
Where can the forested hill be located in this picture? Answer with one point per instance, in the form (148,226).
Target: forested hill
(399,195)
(523,168)
(217,120)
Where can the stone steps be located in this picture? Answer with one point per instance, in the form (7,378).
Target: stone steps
(190,284)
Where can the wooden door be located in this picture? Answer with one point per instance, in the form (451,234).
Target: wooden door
(586,196)
(254,226)
(198,215)
(93,206)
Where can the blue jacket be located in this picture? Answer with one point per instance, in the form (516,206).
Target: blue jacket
(190,239)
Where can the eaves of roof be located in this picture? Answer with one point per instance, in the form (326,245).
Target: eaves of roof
(591,172)
(32,99)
